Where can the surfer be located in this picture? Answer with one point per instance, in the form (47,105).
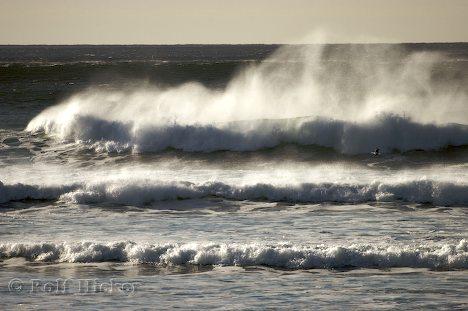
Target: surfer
(376,152)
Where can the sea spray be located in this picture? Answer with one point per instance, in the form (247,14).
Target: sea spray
(386,98)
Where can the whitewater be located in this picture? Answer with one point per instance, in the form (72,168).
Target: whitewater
(293,97)
(229,177)
(280,256)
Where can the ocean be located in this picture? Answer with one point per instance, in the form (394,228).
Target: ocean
(234,176)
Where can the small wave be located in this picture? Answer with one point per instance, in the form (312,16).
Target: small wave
(146,192)
(286,256)
(18,192)
(388,132)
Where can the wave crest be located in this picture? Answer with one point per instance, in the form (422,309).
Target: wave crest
(441,256)
(353,106)
(146,192)
(388,132)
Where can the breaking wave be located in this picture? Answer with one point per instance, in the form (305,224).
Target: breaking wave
(18,192)
(388,132)
(146,192)
(298,96)
(284,255)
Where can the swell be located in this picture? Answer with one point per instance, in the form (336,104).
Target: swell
(146,192)
(287,256)
(388,132)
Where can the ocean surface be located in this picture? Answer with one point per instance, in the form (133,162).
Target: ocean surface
(234,176)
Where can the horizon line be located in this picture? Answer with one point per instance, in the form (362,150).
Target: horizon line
(195,44)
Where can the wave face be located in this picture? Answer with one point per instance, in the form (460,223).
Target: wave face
(141,193)
(389,133)
(299,96)
(18,192)
(287,256)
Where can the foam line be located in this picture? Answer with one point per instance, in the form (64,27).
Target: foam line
(289,256)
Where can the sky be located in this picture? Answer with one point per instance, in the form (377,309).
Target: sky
(231,21)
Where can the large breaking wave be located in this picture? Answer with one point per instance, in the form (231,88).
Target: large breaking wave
(285,255)
(141,192)
(299,95)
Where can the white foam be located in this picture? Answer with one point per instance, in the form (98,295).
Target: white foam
(145,192)
(284,255)
(387,132)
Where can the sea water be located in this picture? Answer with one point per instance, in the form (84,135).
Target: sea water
(234,176)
